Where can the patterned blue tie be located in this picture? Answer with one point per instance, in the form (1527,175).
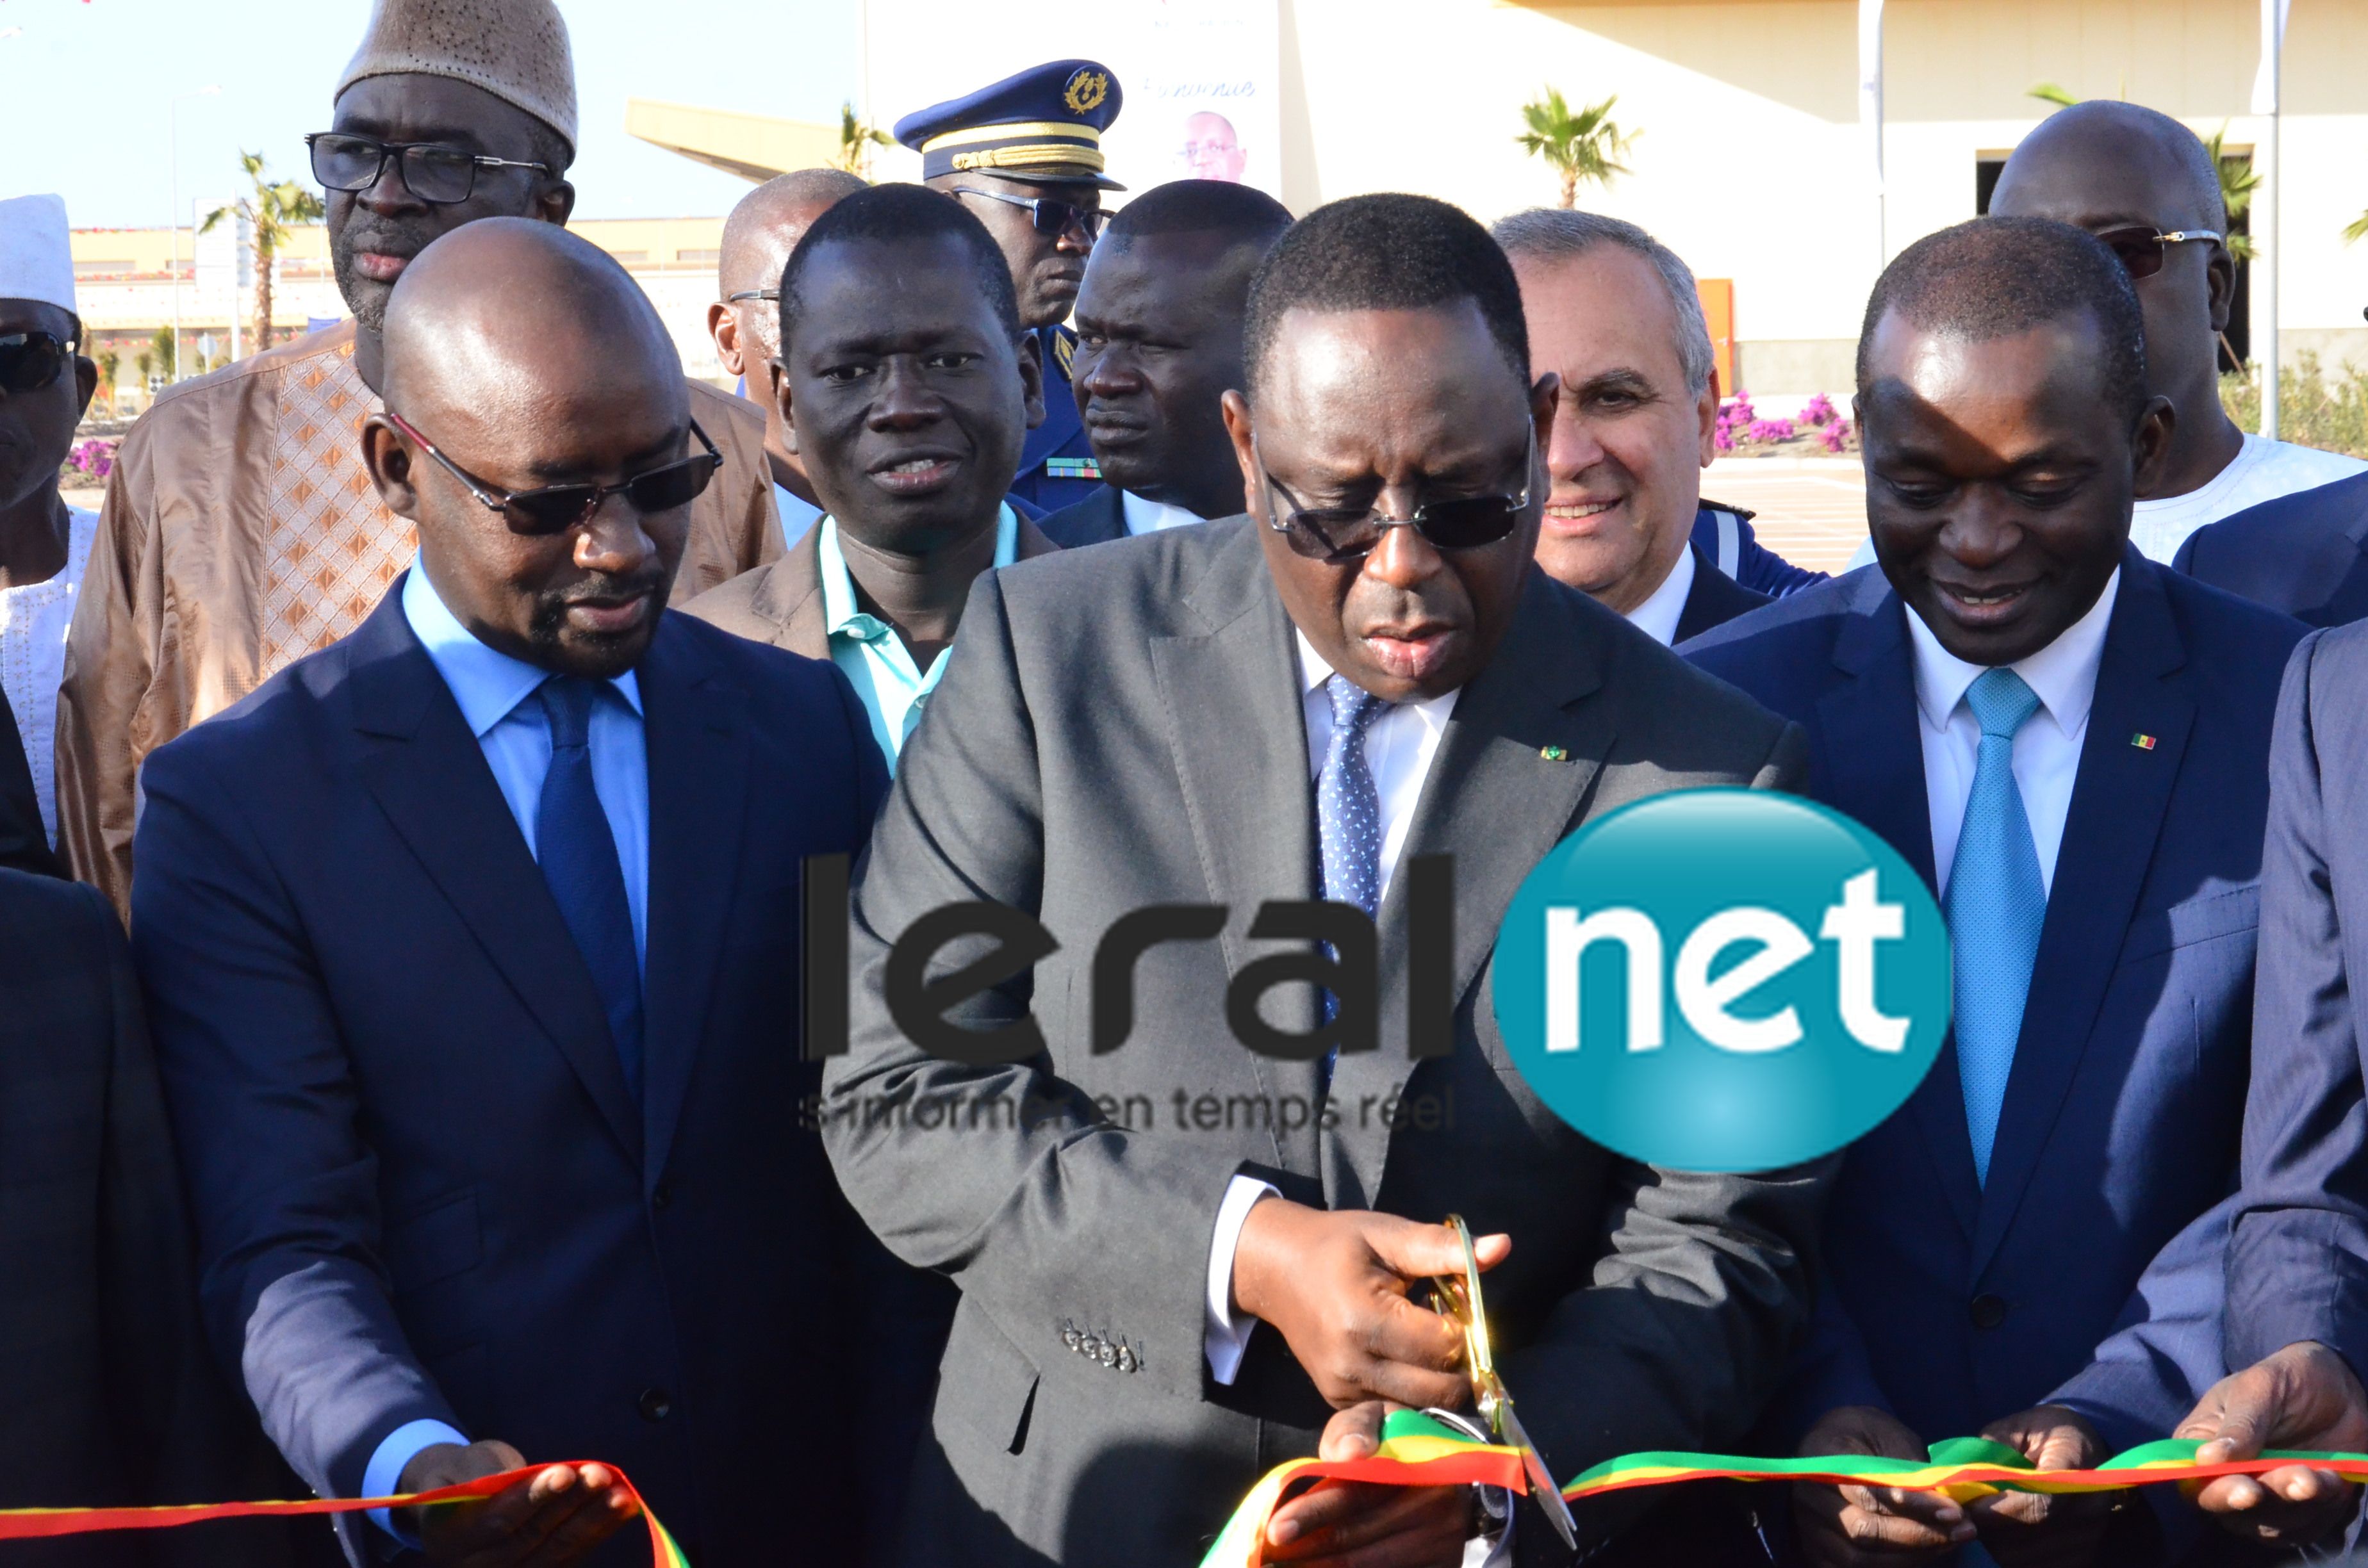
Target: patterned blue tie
(1349,813)
(1997,905)
(578,855)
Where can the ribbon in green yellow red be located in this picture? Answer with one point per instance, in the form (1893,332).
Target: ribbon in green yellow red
(1419,1451)
(24,1524)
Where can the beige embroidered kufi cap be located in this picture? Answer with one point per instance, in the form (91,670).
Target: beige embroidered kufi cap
(516,50)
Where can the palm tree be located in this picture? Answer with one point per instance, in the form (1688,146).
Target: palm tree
(2357,230)
(2238,179)
(271,210)
(856,139)
(1583,146)
(2048,92)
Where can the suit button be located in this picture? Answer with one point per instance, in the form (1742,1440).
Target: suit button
(1987,1310)
(1108,1354)
(1126,1361)
(662,1194)
(655,1404)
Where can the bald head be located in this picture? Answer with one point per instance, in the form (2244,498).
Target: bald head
(530,361)
(2151,167)
(764,229)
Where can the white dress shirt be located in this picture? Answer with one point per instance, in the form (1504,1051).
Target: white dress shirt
(2046,749)
(1148,517)
(1400,745)
(1658,615)
(33,621)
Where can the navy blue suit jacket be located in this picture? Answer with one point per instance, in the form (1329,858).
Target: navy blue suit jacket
(1056,462)
(1953,1303)
(421,1186)
(2306,554)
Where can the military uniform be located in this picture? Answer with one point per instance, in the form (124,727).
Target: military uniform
(1043,126)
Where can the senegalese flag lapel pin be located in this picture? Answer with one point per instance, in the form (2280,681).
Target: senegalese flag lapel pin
(2142,741)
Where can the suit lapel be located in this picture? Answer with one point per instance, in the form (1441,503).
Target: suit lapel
(429,777)
(1497,802)
(789,598)
(2118,798)
(698,747)
(1239,739)
(1870,766)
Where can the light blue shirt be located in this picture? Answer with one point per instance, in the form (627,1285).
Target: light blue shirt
(796,514)
(494,693)
(892,687)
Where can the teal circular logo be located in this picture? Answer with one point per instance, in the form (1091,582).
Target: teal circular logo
(1723,980)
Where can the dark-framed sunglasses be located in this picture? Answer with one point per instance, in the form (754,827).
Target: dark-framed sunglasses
(31,360)
(1051,217)
(2142,248)
(433,173)
(555,508)
(1336,534)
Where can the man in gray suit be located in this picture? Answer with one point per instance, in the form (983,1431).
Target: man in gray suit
(1175,1271)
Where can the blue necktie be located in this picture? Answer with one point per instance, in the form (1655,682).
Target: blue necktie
(578,855)
(1349,813)
(1997,905)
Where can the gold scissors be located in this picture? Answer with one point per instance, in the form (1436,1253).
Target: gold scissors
(1458,1300)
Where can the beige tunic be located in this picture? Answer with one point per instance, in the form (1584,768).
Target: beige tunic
(240,533)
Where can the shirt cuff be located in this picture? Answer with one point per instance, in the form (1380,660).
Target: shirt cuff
(387,1464)
(1223,1335)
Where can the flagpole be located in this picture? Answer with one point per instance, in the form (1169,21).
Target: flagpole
(1870,112)
(2265,212)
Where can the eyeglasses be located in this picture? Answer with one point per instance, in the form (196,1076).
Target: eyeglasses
(555,508)
(2142,249)
(31,360)
(1345,533)
(770,296)
(1051,217)
(433,173)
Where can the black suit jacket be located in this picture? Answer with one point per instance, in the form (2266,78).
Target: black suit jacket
(1097,519)
(423,1187)
(109,1393)
(2305,553)
(24,843)
(1715,599)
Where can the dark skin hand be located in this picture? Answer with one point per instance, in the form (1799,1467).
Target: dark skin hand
(757,239)
(530,362)
(1349,1524)
(374,234)
(1335,1285)
(1872,1527)
(548,1520)
(1159,344)
(2029,1529)
(1046,270)
(907,399)
(1999,480)
(1393,408)
(2303,1396)
(37,431)
(2105,165)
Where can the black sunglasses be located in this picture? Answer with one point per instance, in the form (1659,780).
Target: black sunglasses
(1051,217)
(1336,534)
(555,508)
(436,174)
(2142,248)
(31,360)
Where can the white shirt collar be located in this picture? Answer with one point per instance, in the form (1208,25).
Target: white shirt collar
(1658,615)
(486,682)
(1145,516)
(2063,675)
(1313,672)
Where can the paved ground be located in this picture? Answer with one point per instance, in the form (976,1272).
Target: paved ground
(1811,511)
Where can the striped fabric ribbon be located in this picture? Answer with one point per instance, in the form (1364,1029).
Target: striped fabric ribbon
(1419,1451)
(26,1524)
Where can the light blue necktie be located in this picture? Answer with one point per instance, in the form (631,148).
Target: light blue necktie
(1997,905)
(1348,812)
(578,857)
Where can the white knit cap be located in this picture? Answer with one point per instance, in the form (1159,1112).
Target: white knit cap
(35,251)
(516,50)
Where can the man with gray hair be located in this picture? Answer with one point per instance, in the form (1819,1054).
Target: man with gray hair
(1614,312)
(746,320)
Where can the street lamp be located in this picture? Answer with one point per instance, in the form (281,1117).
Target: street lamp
(173,114)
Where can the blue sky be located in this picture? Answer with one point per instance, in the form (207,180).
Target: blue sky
(88,82)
